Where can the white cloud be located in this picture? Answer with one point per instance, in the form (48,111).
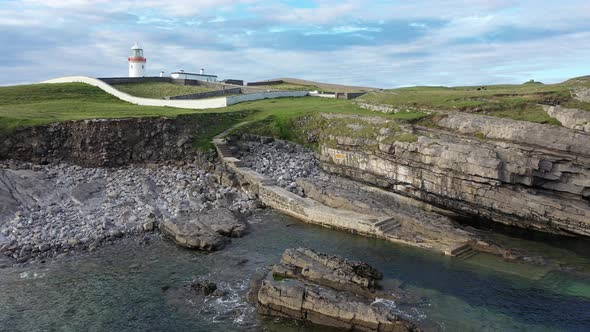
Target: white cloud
(180,34)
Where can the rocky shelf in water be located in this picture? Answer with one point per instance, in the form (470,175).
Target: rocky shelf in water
(327,290)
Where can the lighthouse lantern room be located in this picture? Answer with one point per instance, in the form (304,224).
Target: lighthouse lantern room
(136,62)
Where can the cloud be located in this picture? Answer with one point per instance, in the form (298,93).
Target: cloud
(361,42)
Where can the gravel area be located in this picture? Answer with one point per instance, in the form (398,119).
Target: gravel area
(52,209)
(282,161)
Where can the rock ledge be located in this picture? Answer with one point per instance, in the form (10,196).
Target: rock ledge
(327,290)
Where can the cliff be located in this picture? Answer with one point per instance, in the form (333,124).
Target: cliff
(113,142)
(518,173)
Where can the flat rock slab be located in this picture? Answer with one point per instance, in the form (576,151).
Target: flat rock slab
(88,191)
(208,231)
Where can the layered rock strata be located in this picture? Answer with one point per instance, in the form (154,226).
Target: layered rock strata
(327,290)
(518,173)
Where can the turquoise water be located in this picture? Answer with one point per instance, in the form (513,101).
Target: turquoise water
(128,286)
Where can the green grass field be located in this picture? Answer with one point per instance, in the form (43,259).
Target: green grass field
(159,89)
(29,105)
(518,102)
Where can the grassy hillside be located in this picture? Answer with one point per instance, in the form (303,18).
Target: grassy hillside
(289,86)
(519,102)
(159,89)
(37,104)
(298,84)
(27,105)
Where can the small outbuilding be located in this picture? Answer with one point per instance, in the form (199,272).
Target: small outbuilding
(181,74)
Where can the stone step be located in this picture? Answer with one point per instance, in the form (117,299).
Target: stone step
(383,222)
(226,152)
(467,254)
(239,164)
(390,227)
(464,252)
(461,249)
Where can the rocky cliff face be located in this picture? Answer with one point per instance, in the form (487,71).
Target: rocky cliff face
(111,142)
(518,173)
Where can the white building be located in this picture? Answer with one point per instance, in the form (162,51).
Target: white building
(136,62)
(181,74)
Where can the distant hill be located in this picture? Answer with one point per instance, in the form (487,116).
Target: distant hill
(582,80)
(515,101)
(532,82)
(322,86)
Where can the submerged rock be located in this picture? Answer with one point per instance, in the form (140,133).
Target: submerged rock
(203,287)
(326,290)
(204,231)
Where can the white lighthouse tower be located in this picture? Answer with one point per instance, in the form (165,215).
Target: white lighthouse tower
(136,62)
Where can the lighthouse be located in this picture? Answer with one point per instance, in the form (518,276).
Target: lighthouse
(136,62)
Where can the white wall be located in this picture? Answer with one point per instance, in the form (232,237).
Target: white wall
(190,104)
(322,95)
(178,103)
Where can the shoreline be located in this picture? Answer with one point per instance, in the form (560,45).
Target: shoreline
(57,208)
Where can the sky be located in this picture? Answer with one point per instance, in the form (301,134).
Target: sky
(357,42)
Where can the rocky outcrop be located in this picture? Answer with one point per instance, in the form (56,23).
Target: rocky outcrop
(518,173)
(570,117)
(378,108)
(329,270)
(554,138)
(581,94)
(203,231)
(327,290)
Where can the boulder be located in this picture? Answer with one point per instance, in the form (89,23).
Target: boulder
(204,231)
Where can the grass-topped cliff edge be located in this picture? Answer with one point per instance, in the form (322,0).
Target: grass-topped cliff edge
(37,104)
(517,102)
